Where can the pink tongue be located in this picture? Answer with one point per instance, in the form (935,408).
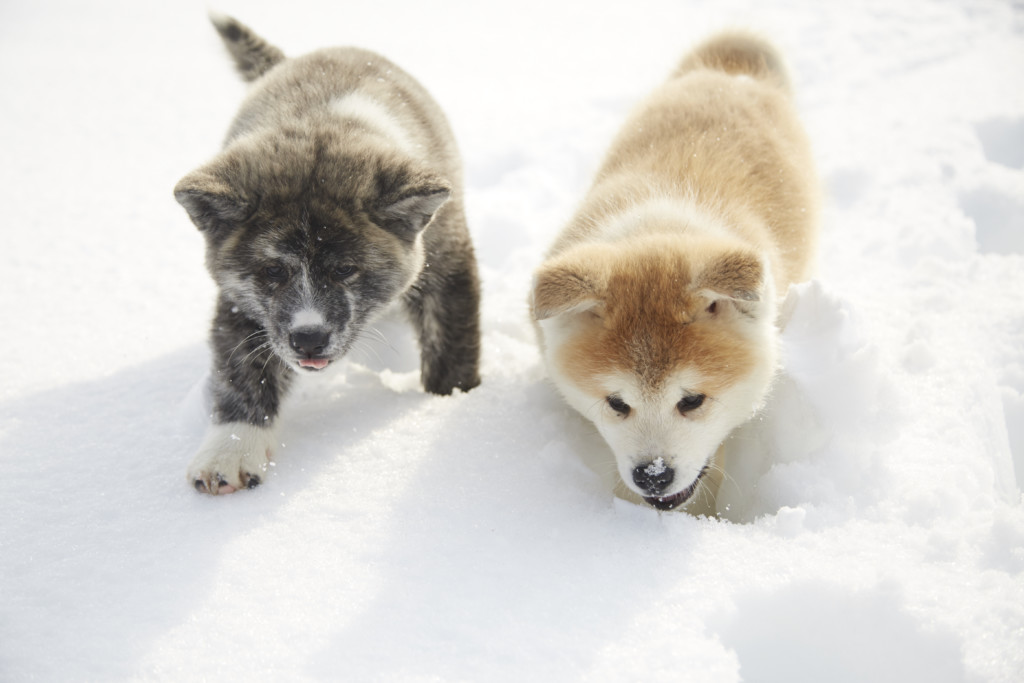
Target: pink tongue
(318,363)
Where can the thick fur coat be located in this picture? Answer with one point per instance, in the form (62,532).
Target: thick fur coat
(337,193)
(656,306)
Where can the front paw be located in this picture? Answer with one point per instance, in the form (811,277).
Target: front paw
(445,377)
(232,456)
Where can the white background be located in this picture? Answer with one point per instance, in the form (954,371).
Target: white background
(410,537)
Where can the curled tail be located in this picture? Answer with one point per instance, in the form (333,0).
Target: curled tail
(253,56)
(738,52)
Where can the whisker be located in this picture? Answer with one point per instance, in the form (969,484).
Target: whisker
(270,356)
(247,338)
(262,347)
(359,346)
(726,478)
(379,337)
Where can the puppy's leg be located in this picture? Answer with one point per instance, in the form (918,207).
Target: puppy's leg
(248,383)
(444,308)
(233,455)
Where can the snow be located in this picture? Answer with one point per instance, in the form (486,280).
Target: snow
(656,468)
(874,531)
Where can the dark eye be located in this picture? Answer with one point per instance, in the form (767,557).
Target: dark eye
(618,405)
(276,273)
(343,272)
(691,402)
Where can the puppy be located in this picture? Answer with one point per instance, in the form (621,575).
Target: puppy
(656,306)
(337,193)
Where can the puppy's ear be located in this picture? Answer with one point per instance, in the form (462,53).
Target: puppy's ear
(414,209)
(211,202)
(736,278)
(569,284)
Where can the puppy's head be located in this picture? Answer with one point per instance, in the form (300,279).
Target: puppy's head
(311,239)
(666,344)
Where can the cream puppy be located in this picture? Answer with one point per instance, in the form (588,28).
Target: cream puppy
(656,306)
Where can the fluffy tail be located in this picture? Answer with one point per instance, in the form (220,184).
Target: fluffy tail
(738,52)
(253,56)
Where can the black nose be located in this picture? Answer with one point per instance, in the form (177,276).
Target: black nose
(653,477)
(310,342)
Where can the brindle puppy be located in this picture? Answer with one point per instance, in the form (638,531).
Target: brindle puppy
(337,192)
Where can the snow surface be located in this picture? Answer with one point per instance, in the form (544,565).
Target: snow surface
(875,531)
